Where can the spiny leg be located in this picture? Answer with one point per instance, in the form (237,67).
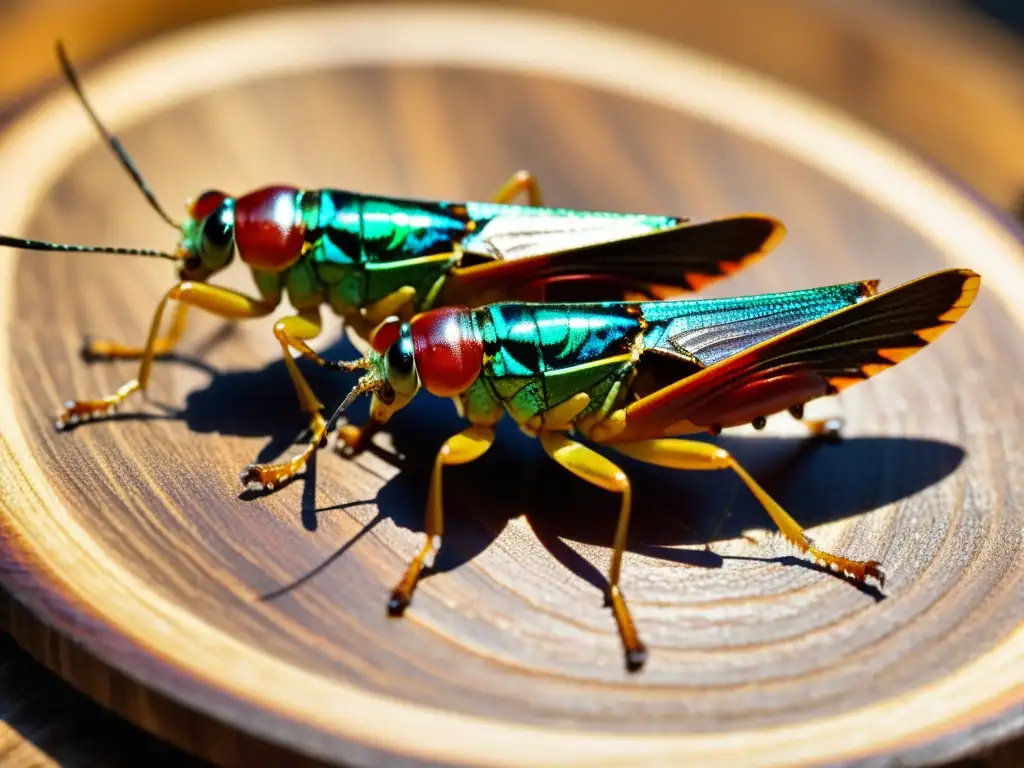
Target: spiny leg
(292,333)
(469,445)
(690,454)
(222,302)
(595,468)
(519,182)
(162,345)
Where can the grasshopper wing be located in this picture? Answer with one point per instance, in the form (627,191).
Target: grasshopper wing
(730,386)
(651,265)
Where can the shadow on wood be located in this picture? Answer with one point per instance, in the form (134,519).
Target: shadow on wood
(131,539)
(814,480)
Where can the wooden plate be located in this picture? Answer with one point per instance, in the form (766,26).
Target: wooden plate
(131,538)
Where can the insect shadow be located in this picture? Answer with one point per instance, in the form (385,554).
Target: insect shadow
(815,480)
(195,360)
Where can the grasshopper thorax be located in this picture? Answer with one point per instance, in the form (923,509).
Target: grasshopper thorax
(270,230)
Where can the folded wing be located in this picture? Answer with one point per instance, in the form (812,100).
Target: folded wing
(820,357)
(607,260)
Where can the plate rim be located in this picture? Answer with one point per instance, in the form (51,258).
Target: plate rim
(968,224)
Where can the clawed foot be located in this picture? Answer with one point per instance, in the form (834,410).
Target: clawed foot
(77,411)
(855,569)
(267,477)
(397,603)
(401,595)
(636,658)
(634,648)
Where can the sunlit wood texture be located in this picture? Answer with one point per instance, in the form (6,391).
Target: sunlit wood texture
(267,616)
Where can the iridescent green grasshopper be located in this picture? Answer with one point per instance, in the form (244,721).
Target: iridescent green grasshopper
(370,257)
(631,375)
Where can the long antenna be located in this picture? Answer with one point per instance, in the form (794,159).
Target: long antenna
(41,245)
(112,142)
(367,383)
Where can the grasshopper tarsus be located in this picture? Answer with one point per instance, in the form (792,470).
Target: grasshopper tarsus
(397,604)
(88,352)
(874,568)
(636,658)
(251,479)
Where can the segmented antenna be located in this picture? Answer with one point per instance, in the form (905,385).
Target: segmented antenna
(42,245)
(112,142)
(368,383)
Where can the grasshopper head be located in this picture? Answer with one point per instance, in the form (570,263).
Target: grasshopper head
(207,243)
(391,378)
(394,367)
(440,351)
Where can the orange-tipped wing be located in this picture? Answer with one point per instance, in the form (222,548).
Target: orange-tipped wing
(818,358)
(656,265)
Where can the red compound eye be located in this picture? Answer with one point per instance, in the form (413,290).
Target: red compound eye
(385,334)
(449,351)
(206,204)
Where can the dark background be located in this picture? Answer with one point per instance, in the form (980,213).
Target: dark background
(1009,13)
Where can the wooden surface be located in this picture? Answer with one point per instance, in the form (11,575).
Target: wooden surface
(512,626)
(44,722)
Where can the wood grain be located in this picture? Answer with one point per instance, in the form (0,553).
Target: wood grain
(44,722)
(268,613)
